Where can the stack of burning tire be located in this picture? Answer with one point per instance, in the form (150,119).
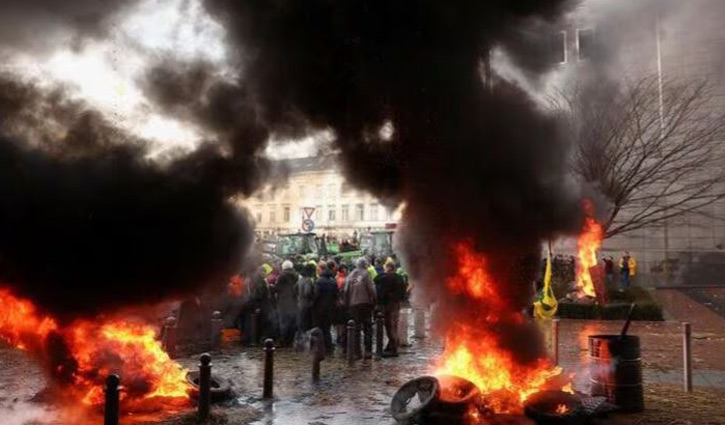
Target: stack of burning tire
(436,400)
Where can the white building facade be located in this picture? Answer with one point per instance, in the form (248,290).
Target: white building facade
(317,190)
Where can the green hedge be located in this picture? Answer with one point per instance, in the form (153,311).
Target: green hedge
(617,309)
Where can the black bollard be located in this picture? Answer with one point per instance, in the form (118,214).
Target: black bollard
(379,325)
(168,339)
(351,342)
(317,343)
(267,391)
(204,386)
(217,324)
(111,410)
(254,328)
(403,328)
(418,323)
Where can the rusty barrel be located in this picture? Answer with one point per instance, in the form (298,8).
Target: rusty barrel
(616,370)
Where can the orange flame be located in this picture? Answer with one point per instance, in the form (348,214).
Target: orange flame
(590,240)
(96,349)
(561,409)
(472,349)
(20,324)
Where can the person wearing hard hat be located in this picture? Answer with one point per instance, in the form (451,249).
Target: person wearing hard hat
(627,269)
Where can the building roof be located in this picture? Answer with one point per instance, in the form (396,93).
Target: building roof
(313,163)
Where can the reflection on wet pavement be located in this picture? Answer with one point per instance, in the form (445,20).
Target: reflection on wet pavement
(361,394)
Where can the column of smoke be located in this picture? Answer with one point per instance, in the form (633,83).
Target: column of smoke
(472,161)
(90,224)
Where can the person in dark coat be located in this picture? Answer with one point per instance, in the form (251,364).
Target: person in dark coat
(391,293)
(287,299)
(262,299)
(305,293)
(324,304)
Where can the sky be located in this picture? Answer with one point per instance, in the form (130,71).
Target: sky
(105,72)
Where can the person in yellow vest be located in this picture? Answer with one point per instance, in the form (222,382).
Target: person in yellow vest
(627,269)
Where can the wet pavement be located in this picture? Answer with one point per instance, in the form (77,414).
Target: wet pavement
(661,348)
(361,394)
(711,298)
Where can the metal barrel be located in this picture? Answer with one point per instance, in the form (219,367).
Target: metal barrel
(616,370)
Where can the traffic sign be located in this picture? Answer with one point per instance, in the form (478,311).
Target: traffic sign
(308,225)
(307,212)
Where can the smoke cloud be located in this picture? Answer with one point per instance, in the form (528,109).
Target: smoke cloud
(472,161)
(43,24)
(89,224)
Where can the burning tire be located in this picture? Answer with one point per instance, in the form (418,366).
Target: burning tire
(220,388)
(555,408)
(426,390)
(443,400)
(456,399)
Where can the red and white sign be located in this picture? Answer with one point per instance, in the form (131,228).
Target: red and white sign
(307,213)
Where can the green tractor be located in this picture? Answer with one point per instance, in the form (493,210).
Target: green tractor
(378,243)
(298,244)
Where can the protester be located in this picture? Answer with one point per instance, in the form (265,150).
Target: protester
(609,271)
(324,304)
(371,270)
(305,293)
(391,293)
(379,269)
(287,303)
(342,316)
(341,276)
(359,300)
(627,269)
(263,300)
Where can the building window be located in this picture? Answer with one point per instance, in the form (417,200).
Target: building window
(286,214)
(585,43)
(318,192)
(331,211)
(272,217)
(345,189)
(259,218)
(318,213)
(558,47)
(332,191)
(345,213)
(301,190)
(359,212)
(373,212)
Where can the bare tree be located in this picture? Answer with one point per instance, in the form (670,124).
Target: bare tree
(655,153)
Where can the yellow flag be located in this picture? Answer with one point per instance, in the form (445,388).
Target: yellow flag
(546,307)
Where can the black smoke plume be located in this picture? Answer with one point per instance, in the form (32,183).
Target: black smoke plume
(42,24)
(472,159)
(89,224)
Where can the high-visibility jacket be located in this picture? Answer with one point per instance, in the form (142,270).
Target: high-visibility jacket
(632,265)
(372,272)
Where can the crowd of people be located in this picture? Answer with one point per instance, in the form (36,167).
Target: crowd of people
(285,300)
